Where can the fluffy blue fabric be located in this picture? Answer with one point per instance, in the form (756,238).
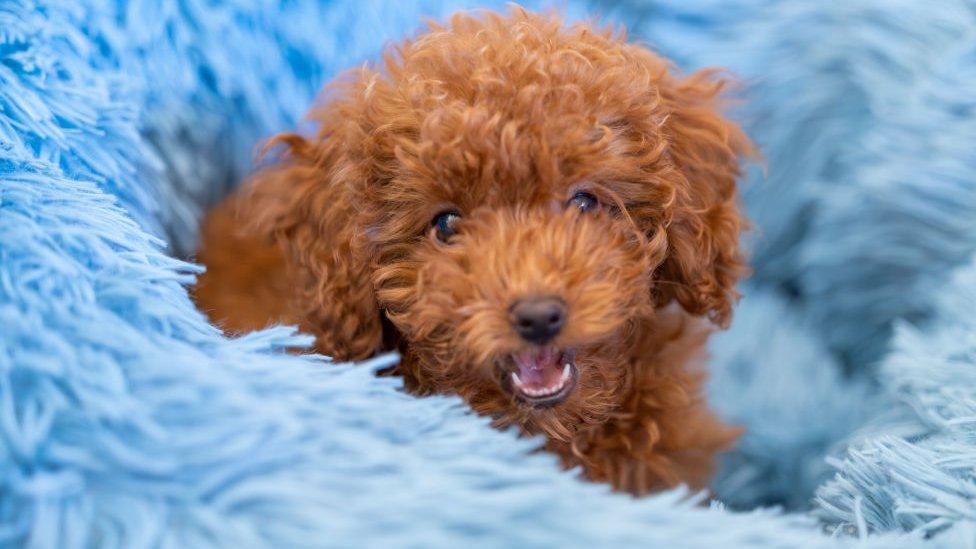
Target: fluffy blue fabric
(914,471)
(127,420)
(867,201)
(771,374)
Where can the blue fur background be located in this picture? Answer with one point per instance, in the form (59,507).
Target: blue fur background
(127,421)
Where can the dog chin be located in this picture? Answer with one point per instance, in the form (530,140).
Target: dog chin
(540,377)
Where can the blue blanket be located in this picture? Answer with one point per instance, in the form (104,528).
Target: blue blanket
(126,420)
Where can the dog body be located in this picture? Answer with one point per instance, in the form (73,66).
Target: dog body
(540,219)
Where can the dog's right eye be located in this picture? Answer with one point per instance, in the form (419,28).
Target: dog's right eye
(444,225)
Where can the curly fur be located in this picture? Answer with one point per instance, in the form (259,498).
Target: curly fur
(505,117)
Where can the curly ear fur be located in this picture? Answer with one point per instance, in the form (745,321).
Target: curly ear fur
(704,260)
(307,203)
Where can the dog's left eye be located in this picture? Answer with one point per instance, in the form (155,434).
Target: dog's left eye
(584,201)
(445,225)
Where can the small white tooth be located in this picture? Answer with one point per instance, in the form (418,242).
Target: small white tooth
(567,371)
(516,380)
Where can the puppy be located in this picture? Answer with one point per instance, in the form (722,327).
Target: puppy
(540,219)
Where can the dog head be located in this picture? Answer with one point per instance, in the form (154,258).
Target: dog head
(510,202)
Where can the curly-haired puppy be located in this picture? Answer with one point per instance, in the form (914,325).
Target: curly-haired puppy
(541,219)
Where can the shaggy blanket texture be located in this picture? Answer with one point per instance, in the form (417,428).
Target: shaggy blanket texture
(126,420)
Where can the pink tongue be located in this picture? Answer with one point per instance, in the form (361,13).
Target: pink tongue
(539,368)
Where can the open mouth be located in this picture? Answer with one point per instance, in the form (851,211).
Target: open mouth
(543,376)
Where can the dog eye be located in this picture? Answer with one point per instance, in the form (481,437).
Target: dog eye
(584,201)
(444,225)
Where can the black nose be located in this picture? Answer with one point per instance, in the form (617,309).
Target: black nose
(538,320)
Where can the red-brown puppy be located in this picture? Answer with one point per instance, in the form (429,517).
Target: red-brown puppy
(541,219)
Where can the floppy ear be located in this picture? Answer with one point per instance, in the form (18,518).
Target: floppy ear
(309,203)
(704,259)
